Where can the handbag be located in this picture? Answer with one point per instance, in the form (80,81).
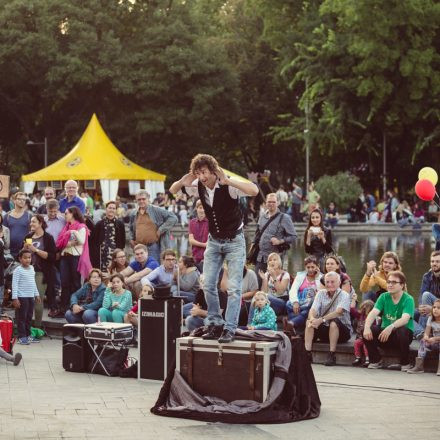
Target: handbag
(283,247)
(255,247)
(112,358)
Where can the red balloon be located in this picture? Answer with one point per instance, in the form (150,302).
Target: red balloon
(425,190)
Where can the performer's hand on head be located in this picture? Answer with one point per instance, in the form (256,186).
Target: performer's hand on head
(187,179)
(223,179)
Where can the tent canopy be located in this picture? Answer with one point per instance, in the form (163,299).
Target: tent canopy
(94,157)
(236,176)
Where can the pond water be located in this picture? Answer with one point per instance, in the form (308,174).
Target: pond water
(413,248)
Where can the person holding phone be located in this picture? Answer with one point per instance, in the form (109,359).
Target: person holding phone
(317,238)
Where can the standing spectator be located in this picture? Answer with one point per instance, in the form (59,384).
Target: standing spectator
(85,302)
(282,198)
(371,201)
(75,260)
(331,216)
(317,238)
(88,202)
(17,221)
(117,301)
(5,236)
(107,235)
(55,221)
(297,196)
(183,216)
(2,273)
(396,308)
(72,199)
(329,317)
(49,194)
(188,279)
(151,225)
(277,236)
(313,198)
(361,208)
(198,234)
(36,202)
(43,250)
(137,269)
(24,296)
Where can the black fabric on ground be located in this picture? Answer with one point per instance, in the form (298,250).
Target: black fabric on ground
(299,399)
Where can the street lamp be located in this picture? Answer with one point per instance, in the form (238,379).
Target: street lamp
(30,143)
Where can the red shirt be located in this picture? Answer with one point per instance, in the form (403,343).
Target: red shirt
(200,230)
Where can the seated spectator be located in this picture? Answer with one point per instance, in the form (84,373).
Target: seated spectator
(429,290)
(418,213)
(264,317)
(85,302)
(301,295)
(132,316)
(118,263)
(198,311)
(433,212)
(137,269)
(329,317)
(249,286)
(117,301)
(360,350)
(396,330)
(331,216)
(276,282)
(165,273)
(404,216)
(374,281)
(188,281)
(373,216)
(430,341)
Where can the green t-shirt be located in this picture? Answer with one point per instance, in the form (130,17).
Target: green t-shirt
(392,312)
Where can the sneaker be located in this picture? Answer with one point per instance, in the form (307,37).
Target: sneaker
(33,340)
(17,358)
(357,362)
(405,368)
(23,341)
(395,367)
(366,363)
(331,360)
(375,365)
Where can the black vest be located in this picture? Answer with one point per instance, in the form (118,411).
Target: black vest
(225,217)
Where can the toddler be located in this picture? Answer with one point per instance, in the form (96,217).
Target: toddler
(359,345)
(430,340)
(264,316)
(24,295)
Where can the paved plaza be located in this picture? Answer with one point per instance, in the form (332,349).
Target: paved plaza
(39,400)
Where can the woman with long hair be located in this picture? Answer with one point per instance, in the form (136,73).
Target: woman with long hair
(42,247)
(189,277)
(118,262)
(75,260)
(317,238)
(117,301)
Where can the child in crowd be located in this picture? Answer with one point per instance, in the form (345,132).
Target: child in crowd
(430,341)
(132,316)
(117,301)
(359,346)
(264,316)
(24,295)
(3,353)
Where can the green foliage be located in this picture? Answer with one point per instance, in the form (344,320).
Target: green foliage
(343,189)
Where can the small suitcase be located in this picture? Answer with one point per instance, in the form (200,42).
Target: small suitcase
(109,332)
(241,370)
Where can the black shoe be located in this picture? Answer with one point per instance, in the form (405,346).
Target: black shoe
(331,360)
(214,332)
(226,337)
(288,327)
(357,362)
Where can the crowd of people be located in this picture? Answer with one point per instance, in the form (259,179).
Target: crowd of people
(81,270)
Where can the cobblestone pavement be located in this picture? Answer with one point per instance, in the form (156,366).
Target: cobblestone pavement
(39,400)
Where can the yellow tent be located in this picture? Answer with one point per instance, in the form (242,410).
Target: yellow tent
(236,176)
(94,157)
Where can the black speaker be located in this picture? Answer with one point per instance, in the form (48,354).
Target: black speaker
(160,323)
(77,353)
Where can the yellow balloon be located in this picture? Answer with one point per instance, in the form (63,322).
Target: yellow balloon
(430,174)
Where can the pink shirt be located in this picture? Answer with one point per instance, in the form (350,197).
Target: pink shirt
(200,230)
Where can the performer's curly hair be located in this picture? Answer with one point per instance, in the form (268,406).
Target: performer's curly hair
(204,160)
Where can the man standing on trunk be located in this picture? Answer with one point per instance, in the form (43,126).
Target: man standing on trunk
(220,199)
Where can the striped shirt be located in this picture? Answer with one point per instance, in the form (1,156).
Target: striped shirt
(322,301)
(23,283)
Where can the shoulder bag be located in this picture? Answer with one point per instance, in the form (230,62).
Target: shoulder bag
(255,246)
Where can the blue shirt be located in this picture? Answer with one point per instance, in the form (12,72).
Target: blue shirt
(158,277)
(76,201)
(151,263)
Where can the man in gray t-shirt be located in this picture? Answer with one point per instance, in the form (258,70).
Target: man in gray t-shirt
(329,317)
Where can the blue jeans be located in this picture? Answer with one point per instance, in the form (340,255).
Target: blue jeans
(24,316)
(86,317)
(217,251)
(436,234)
(427,299)
(298,320)
(186,310)
(154,251)
(188,296)
(193,322)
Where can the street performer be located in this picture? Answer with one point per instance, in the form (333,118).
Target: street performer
(219,195)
